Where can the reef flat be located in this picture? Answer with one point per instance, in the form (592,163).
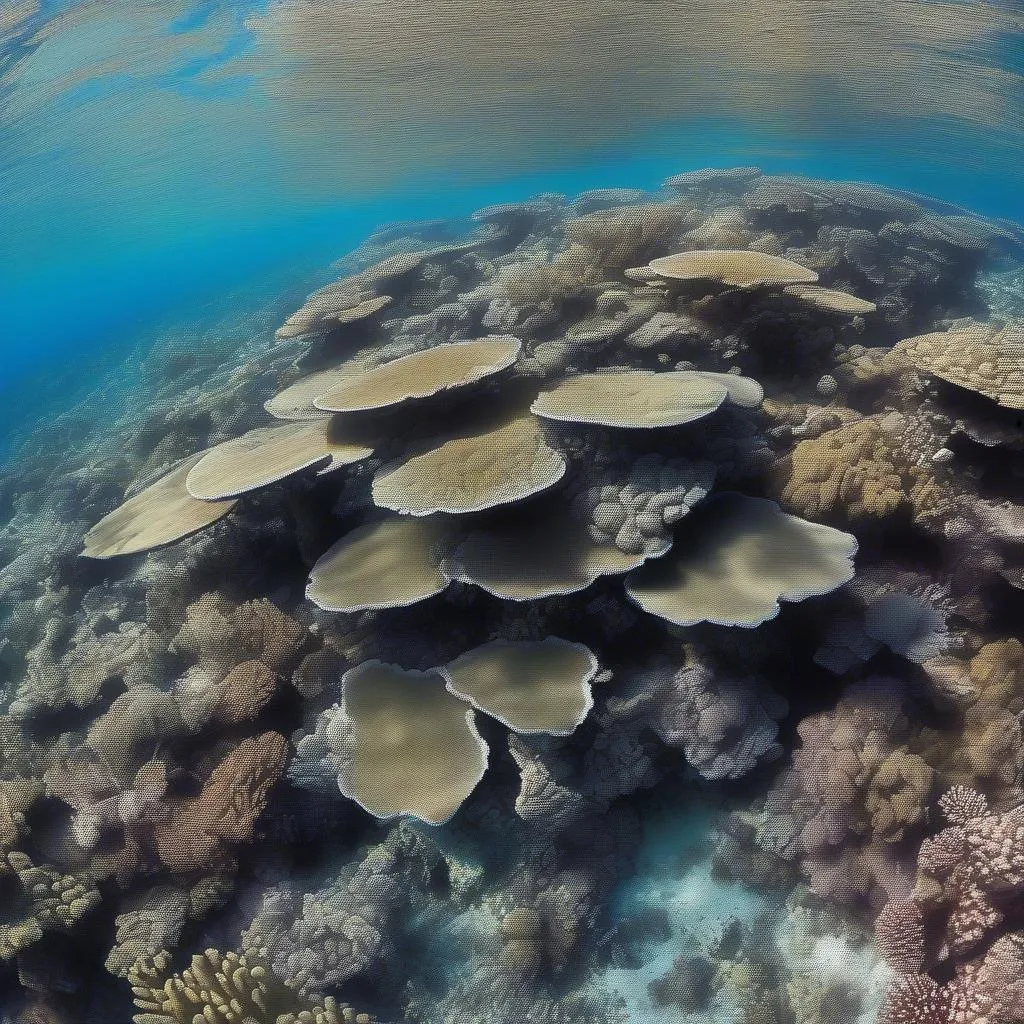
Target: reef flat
(603,609)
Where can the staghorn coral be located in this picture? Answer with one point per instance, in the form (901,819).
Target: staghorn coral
(527,295)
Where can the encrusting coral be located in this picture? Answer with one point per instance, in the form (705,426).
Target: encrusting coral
(471,544)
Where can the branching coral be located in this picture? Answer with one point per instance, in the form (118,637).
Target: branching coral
(63,670)
(228,987)
(970,877)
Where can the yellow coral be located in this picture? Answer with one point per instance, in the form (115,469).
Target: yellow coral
(856,471)
(226,988)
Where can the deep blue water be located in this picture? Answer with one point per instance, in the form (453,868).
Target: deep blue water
(156,157)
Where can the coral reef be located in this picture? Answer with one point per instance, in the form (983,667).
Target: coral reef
(526,527)
(962,918)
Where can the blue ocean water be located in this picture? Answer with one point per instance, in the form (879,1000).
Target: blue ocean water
(155,157)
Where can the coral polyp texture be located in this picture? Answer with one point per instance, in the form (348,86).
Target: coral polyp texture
(602,608)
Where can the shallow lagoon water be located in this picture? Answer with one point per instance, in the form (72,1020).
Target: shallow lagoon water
(176,178)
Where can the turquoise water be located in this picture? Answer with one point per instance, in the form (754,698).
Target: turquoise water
(154,157)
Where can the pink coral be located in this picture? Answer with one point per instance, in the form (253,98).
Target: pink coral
(916,999)
(970,885)
(960,804)
(899,932)
(971,867)
(856,793)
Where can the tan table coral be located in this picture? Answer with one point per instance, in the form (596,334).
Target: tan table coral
(517,563)
(530,686)
(736,558)
(829,299)
(985,358)
(295,402)
(637,399)
(421,374)
(388,564)
(268,454)
(339,303)
(406,745)
(497,465)
(161,514)
(740,268)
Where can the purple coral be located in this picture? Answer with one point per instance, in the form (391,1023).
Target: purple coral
(855,793)
(970,881)
(899,933)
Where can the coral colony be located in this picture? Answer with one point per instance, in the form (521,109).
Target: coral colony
(392,633)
